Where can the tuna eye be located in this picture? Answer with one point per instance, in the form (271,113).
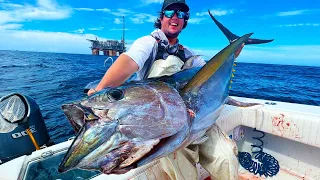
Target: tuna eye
(115,95)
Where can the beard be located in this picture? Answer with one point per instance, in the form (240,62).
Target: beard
(172,35)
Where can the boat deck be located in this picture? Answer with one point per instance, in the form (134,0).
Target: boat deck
(295,144)
(283,174)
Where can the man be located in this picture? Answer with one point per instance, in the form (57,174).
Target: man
(163,44)
(173,18)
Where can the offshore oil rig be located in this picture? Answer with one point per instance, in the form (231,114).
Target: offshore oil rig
(109,47)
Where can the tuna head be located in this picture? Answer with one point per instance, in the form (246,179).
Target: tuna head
(120,125)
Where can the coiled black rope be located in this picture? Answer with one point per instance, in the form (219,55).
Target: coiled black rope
(267,165)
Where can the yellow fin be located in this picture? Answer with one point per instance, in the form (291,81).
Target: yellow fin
(90,117)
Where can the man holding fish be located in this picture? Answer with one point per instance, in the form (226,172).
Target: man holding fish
(161,54)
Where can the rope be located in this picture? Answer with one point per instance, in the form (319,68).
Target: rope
(267,165)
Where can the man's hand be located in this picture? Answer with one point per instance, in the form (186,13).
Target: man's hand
(91,91)
(237,53)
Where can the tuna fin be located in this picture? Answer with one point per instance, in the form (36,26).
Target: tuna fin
(189,62)
(167,146)
(211,67)
(236,103)
(231,37)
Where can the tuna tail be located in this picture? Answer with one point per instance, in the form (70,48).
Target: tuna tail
(231,37)
(213,65)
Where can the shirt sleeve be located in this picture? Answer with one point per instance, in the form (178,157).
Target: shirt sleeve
(141,50)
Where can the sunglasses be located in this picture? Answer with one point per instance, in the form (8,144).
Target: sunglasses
(170,14)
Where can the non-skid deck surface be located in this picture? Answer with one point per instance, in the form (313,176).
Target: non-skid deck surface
(283,174)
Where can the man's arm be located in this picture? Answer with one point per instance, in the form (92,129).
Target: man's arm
(127,64)
(122,69)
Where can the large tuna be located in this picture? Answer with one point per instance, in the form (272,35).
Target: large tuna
(123,124)
(138,122)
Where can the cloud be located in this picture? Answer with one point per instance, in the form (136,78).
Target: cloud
(300,24)
(143,18)
(79,31)
(289,13)
(152,1)
(114,29)
(43,10)
(7,5)
(135,17)
(104,10)
(84,9)
(96,29)
(41,41)
(292,13)
(195,20)
(117,21)
(216,12)
(121,12)
(10,26)
(7,17)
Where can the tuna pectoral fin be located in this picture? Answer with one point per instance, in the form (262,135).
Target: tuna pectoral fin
(138,150)
(234,102)
(167,146)
(257,41)
(188,64)
(91,136)
(231,37)
(124,170)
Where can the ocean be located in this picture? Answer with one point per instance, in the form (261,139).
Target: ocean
(53,79)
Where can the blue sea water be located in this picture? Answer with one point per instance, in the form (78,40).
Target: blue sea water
(53,79)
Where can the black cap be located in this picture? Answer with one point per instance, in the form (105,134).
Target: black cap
(166,3)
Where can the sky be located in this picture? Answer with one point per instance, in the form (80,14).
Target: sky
(63,26)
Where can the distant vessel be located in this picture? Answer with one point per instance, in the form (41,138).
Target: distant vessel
(109,47)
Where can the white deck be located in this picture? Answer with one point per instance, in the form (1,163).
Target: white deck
(292,137)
